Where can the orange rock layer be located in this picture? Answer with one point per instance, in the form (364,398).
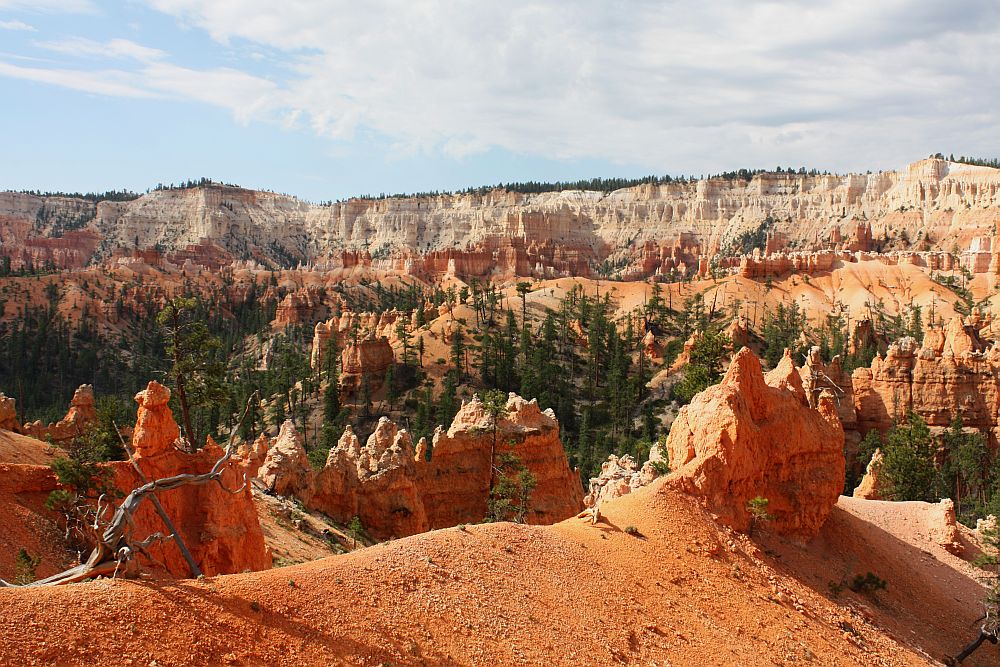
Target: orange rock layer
(221,529)
(750,437)
(399,489)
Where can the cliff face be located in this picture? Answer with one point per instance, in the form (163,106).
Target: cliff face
(550,233)
(389,483)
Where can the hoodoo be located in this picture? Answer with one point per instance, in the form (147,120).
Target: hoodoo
(751,437)
(397,489)
(220,528)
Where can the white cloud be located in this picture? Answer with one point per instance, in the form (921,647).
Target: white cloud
(247,96)
(664,84)
(115,48)
(679,85)
(105,82)
(16,25)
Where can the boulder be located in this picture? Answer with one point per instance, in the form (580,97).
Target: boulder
(743,438)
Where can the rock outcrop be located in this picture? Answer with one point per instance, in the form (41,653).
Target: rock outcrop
(953,373)
(364,361)
(80,415)
(304,305)
(397,490)
(365,343)
(619,476)
(8,414)
(221,529)
(744,438)
(870,487)
(286,465)
(944,527)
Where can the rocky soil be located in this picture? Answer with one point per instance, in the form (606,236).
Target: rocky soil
(678,589)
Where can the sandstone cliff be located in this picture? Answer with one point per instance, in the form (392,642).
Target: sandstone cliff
(554,233)
(953,373)
(397,489)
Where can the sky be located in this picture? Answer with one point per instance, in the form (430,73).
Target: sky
(326,99)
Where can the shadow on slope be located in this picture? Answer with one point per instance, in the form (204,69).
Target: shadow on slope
(931,601)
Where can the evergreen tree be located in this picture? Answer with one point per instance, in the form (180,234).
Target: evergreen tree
(458,352)
(705,366)
(908,462)
(196,374)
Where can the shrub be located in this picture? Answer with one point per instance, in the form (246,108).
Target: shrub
(757,508)
(24,567)
(867,583)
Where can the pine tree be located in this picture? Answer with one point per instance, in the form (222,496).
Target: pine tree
(908,462)
(391,391)
(458,352)
(196,373)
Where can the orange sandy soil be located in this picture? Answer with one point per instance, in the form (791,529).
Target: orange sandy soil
(289,544)
(15,448)
(932,597)
(24,522)
(684,592)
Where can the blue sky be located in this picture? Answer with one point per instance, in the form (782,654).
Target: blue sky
(325,99)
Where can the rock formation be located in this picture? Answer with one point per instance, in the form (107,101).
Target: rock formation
(870,487)
(747,437)
(365,360)
(365,343)
(952,374)
(660,228)
(286,466)
(220,529)
(8,414)
(396,491)
(253,454)
(944,527)
(304,305)
(80,415)
(619,476)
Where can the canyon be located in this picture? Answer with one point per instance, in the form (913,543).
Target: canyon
(386,330)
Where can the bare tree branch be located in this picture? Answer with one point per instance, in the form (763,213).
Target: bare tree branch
(114,546)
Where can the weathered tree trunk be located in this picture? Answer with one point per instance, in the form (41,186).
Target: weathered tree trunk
(116,546)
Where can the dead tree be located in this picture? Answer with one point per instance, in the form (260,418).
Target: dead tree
(116,545)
